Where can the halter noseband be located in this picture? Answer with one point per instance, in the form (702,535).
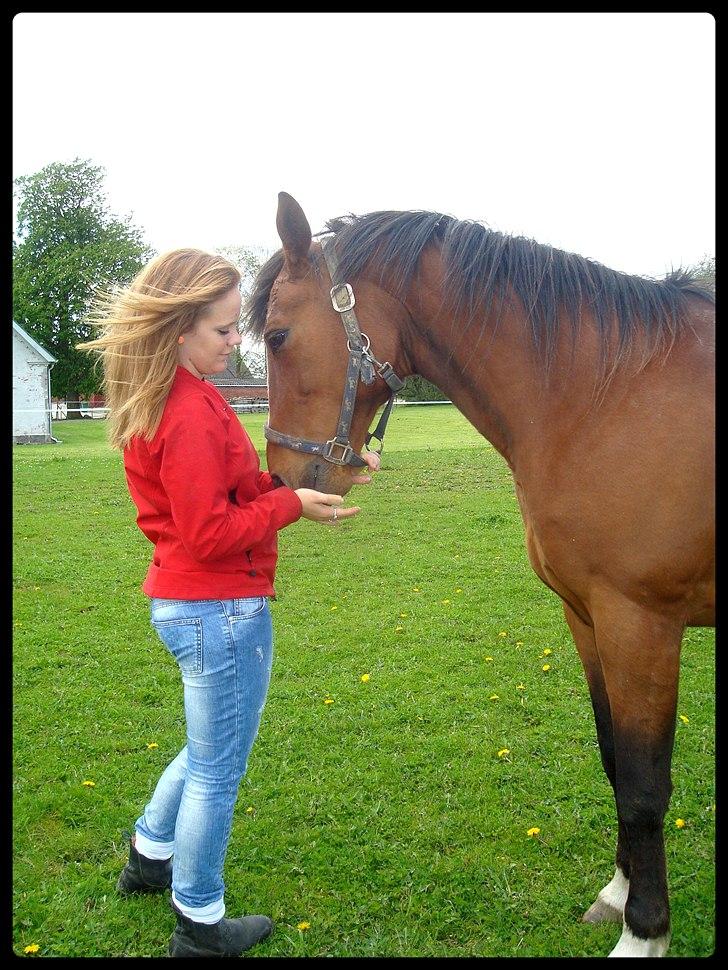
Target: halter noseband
(362,366)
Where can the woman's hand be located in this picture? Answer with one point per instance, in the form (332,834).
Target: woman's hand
(373,461)
(320,507)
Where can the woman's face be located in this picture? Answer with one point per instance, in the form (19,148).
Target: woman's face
(208,345)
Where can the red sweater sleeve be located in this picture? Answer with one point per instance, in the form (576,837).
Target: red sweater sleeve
(192,472)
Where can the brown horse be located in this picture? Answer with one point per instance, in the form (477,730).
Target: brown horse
(598,390)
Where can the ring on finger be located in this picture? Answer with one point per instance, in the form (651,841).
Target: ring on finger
(334,514)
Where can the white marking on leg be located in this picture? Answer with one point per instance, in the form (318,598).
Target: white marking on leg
(609,904)
(633,946)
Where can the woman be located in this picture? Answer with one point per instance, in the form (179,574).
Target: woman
(213,517)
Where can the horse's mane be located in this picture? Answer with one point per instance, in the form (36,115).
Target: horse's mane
(482,266)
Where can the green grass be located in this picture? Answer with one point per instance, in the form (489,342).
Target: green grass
(386,819)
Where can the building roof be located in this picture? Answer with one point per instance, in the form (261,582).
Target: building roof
(229,378)
(33,343)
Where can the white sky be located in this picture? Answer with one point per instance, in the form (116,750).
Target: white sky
(594,133)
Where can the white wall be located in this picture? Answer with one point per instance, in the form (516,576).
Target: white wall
(30,390)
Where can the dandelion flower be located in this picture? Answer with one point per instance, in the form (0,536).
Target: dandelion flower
(684,718)
(446,601)
(547,651)
(534,831)
(415,589)
(680,823)
(398,629)
(334,608)
(90,784)
(519,643)
(493,697)
(304,925)
(31,948)
(365,678)
(328,701)
(403,614)
(458,591)
(488,658)
(249,810)
(503,752)
(546,667)
(503,634)
(152,745)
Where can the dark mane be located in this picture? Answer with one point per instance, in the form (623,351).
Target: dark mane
(482,266)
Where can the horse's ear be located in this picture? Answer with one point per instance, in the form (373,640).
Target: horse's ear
(295,233)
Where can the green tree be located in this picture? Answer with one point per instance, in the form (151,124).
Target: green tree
(705,271)
(416,388)
(67,246)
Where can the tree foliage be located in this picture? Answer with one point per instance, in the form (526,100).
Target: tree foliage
(67,246)
(705,271)
(416,388)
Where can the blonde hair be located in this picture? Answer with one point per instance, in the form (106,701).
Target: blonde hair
(141,325)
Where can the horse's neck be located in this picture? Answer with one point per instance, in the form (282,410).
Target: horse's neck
(489,372)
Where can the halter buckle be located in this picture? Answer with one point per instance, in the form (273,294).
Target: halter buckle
(328,452)
(349,294)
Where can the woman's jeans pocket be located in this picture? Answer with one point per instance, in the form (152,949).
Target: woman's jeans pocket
(183,639)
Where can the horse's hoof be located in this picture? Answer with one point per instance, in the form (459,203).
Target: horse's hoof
(602,912)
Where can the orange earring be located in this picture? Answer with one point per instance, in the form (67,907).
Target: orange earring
(180,340)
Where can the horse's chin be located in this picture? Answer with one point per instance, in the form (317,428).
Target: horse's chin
(317,475)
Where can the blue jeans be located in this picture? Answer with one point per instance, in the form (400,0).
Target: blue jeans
(224,649)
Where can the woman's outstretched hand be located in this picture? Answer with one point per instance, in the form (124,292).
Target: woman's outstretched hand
(373,461)
(320,507)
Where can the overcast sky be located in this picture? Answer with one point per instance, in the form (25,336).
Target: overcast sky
(594,133)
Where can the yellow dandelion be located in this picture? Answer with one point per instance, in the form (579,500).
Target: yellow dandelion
(684,718)
(680,823)
(404,614)
(36,588)
(458,591)
(534,831)
(152,745)
(398,629)
(303,925)
(519,643)
(365,678)
(547,651)
(503,752)
(520,686)
(415,589)
(493,697)
(488,658)
(546,667)
(249,810)
(503,634)
(31,948)
(334,608)
(90,784)
(446,601)
(328,701)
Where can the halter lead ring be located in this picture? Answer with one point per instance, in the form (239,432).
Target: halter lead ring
(363,365)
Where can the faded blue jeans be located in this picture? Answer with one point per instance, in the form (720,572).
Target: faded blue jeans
(224,649)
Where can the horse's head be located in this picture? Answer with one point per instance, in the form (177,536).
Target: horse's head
(309,361)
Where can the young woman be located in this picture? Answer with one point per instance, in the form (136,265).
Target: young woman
(213,518)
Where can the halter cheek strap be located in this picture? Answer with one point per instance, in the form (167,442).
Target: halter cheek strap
(363,365)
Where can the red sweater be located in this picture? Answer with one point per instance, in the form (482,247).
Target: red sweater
(203,500)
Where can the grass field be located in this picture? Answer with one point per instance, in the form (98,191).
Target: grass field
(390,822)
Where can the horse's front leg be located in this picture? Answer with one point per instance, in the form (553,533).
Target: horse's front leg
(639,651)
(609,904)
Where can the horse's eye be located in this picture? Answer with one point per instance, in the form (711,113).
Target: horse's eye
(275,339)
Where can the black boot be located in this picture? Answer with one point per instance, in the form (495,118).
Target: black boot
(142,875)
(226,938)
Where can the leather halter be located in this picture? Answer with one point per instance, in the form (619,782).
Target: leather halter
(362,366)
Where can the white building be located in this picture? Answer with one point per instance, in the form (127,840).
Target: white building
(31,390)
